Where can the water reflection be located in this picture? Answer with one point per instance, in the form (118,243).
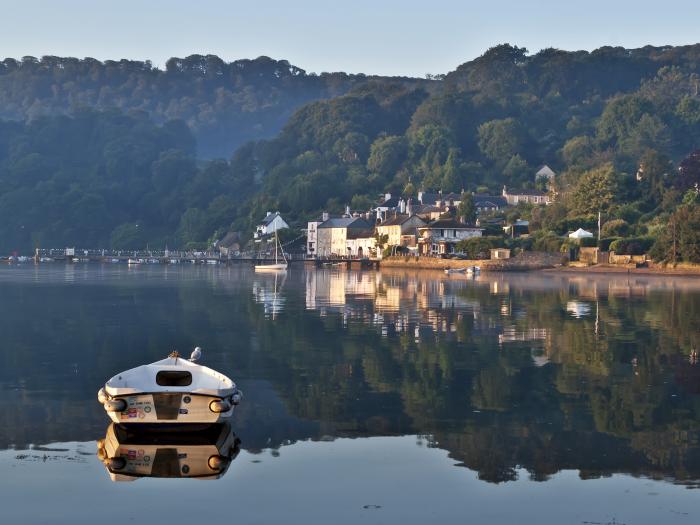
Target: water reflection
(130,453)
(509,374)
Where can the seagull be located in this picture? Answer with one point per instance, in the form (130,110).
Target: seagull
(196,355)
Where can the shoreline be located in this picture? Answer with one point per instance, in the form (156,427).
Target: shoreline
(537,262)
(622,270)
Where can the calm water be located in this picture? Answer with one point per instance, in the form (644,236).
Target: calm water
(371,397)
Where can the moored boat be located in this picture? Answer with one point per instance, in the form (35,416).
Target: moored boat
(172,390)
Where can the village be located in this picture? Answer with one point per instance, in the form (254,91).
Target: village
(433,225)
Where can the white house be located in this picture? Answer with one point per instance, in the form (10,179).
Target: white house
(270,224)
(526,195)
(441,236)
(312,234)
(545,172)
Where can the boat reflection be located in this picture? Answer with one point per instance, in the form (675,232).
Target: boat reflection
(160,451)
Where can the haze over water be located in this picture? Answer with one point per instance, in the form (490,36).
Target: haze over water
(379,397)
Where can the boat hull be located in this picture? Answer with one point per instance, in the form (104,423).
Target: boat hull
(169,408)
(270,267)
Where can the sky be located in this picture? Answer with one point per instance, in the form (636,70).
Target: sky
(386,37)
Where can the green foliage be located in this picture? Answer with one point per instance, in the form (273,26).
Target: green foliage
(546,241)
(500,140)
(615,228)
(680,239)
(588,242)
(595,191)
(466,209)
(479,247)
(632,245)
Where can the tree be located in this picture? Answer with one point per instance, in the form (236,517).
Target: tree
(466,209)
(386,155)
(500,140)
(595,191)
(680,239)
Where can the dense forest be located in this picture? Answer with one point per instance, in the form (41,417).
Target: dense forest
(616,124)
(224,103)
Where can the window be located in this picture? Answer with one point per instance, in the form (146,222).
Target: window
(174,378)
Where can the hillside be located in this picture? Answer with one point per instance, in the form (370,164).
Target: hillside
(225,104)
(595,117)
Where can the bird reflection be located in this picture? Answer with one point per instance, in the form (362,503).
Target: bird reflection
(160,451)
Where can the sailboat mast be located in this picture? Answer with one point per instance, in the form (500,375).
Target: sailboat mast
(277,241)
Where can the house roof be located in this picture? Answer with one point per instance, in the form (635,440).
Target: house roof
(450,223)
(424,208)
(450,197)
(481,200)
(269,218)
(545,170)
(526,191)
(397,220)
(347,222)
(393,202)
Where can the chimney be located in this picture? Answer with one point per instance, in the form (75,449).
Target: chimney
(409,207)
(325,216)
(347,210)
(402,206)
(268,214)
(387,196)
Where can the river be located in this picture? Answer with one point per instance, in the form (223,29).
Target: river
(392,396)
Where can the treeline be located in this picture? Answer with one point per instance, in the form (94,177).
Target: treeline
(225,104)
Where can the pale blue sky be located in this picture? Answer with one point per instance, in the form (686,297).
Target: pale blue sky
(388,37)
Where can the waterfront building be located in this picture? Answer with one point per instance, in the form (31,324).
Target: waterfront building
(440,237)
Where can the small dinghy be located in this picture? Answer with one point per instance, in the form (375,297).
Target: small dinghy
(173,390)
(449,271)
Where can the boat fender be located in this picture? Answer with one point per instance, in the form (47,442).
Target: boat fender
(219,406)
(102,396)
(217,462)
(115,405)
(236,397)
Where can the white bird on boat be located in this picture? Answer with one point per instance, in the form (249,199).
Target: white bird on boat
(196,355)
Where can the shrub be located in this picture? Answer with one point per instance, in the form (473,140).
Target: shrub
(615,228)
(588,242)
(547,242)
(479,247)
(604,244)
(632,245)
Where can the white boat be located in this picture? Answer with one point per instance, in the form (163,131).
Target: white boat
(173,390)
(449,271)
(130,453)
(277,266)
(135,261)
